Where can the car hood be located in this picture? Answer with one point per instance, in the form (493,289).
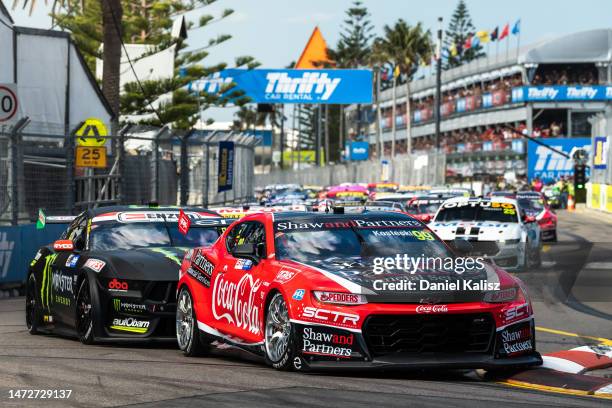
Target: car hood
(358,276)
(151,264)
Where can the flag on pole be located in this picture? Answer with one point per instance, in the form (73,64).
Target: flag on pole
(516,29)
(505,32)
(396,71)
(468,43)
(494,34)
(483,36)
(42,219)
(475,41)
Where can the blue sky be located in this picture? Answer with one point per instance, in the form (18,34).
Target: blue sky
(275,31)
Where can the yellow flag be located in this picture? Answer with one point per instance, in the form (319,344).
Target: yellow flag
(396,71)
(453,50)
(483,36)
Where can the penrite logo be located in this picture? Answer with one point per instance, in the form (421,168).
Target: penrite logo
(235,302)
(6,250)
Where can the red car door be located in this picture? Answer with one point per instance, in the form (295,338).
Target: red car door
(237,294)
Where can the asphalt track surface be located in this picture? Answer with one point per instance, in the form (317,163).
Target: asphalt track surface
(573,303)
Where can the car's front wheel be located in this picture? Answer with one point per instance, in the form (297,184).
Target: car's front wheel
(32,311)
(187,333)
(84,313)
(279,342)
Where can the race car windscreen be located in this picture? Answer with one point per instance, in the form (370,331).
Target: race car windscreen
(112,236)
(319,244)
(477,211)
(532,204)
(424,207)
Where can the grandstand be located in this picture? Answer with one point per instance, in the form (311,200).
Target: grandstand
(547,90)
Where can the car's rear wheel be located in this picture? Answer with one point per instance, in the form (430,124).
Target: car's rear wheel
(84,314)
(32,311)
(188,335)
(279,342)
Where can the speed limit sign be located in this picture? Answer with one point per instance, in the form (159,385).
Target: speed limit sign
(8,102)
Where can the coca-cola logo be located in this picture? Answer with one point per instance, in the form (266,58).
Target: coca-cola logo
(432,309)
(235,302)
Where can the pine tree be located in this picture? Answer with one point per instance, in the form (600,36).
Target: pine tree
(158,102)
(352,50)
(460,28)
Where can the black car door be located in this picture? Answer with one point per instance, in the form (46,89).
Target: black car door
(64,273)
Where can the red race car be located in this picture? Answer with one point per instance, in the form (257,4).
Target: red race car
(535,204)
(309,291)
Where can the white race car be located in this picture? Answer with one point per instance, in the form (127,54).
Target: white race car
(497,228)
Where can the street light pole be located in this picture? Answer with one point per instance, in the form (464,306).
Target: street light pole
(438,83)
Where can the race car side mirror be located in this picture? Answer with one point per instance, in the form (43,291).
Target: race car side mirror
(246,251)
(63,245)
(462,246)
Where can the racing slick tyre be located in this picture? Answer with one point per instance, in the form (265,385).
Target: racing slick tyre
(84,314)
(190,341)
(279,347)
(32,310)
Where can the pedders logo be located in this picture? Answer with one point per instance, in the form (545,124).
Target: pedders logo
(424,309)
(117,285)
(235,302)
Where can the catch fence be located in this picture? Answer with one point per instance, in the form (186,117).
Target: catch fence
(144,164)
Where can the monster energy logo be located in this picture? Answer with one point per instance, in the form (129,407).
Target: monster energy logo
(120,306)
(45,287)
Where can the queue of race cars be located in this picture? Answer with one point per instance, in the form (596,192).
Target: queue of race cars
(296,278)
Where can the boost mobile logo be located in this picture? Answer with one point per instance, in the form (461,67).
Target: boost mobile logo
(6,250)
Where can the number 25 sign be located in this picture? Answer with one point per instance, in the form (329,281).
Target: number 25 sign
(8,102)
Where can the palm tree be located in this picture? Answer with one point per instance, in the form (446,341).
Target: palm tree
(404,46)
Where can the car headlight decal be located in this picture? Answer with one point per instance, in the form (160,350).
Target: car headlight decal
(340,298)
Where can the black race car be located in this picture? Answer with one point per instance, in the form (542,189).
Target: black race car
(112,274)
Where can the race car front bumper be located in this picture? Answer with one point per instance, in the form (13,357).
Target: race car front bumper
(459,341)
(435,361)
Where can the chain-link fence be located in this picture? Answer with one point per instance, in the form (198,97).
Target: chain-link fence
(144,164)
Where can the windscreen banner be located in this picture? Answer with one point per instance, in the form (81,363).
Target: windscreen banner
(562,93)
(550,166)
(304,86)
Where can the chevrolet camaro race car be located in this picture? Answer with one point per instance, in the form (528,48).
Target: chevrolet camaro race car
(497,228)
(535,204)
(112,274)
(306,291)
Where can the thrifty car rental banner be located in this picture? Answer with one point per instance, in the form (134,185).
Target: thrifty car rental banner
(305,86)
